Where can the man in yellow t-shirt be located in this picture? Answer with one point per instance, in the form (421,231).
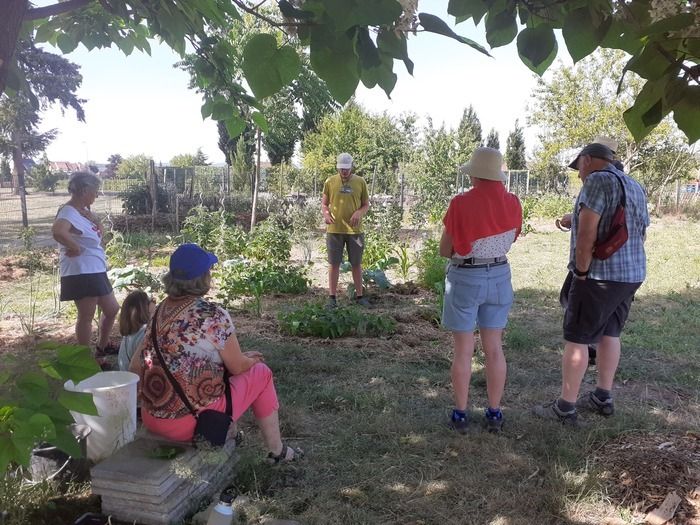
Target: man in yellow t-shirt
(345,201)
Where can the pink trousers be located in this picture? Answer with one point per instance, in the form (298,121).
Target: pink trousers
(252,388)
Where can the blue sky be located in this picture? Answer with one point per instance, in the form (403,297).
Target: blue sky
(141,103)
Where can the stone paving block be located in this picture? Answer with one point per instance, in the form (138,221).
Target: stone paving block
(135,486)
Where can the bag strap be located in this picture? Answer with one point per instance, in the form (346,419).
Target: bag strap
(623,199)
(176,385)
(173,381)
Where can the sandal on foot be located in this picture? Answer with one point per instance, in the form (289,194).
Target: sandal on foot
(287,455)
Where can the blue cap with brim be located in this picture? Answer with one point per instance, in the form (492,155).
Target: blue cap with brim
(189,261)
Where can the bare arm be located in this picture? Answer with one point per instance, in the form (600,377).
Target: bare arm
(326,212)
(235,361)
(586,236)
(61,233)
(446,249)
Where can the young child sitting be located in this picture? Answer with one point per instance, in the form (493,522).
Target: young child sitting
(135,313)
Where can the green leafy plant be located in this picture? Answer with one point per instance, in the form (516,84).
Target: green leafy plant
(404,261)
(377,252)
(318,321)
(528,209)
(35,408)
(117,249)
(134,278)
(431,265)
(269,240)
(240,279)
(136,200)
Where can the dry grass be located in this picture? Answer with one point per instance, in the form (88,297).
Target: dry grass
(370,413)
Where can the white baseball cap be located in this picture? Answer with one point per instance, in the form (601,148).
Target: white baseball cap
(344,161)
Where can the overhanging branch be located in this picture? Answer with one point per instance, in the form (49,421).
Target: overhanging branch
(55,9)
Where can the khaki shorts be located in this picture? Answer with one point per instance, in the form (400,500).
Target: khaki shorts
(335,245)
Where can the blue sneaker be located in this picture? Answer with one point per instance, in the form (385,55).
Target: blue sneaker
(494,422)
(460,425)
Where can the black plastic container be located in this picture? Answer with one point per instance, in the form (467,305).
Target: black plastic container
(49,462)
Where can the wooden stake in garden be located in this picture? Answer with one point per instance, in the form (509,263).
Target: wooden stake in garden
(154,194)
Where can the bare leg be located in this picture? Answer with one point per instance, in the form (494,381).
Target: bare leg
(574,363)
(495,364)
(83,325)
(270,428)
(462,368)
(333,275)
(357,279)
(110,308)
(607,360)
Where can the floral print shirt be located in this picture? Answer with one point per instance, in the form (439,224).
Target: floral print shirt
(190,347)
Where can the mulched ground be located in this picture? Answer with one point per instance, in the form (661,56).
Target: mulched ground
(640,469)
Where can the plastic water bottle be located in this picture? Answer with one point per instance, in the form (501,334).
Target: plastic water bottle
(223,513)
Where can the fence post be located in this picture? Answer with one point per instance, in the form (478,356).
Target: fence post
(154,194)
(255,186)
(678,195)
(177,212)
(527,183)
(402,187)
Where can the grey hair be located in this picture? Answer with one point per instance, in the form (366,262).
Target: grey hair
(81,180)
(198,286)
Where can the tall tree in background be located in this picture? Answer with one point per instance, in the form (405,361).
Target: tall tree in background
(50,79)
(434,174)
(113,162)
(578,103)
(377,143)
(515,149)
(200,159)
(187,160)
(468,135)
(492,140)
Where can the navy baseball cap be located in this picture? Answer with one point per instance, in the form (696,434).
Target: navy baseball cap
(189,261)
(597,150)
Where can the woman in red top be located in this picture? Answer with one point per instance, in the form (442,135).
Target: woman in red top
(480,226)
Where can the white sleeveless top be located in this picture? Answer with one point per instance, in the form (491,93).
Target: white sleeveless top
(92,257)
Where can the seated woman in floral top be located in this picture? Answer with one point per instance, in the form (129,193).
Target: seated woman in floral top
(198,344)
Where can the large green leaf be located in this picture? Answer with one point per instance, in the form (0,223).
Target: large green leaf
(394,45)
(333,59)
(674,23)
(640,117)
(268,68)
(260,121)
(234,126)
(348,13)
(289,11)
(81,402)
(537,47)
(686,113)
(381,75)
(74,362)
(501,27)
(33,387)
(435,24)
(66,42)
(465,9)
(580,33)
(651,63)
(222,110)
(621,36)
(366,49)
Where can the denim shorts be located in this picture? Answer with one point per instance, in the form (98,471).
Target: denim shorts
(477,296)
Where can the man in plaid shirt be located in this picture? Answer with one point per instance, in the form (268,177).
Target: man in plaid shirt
(600,292)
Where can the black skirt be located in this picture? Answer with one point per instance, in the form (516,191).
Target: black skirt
(76,287)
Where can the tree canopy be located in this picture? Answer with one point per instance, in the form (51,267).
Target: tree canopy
(353,41)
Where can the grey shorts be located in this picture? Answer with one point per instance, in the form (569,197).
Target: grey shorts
(335,245)
(76,287)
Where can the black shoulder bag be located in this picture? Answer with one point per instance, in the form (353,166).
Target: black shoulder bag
(212,425)
(617,234)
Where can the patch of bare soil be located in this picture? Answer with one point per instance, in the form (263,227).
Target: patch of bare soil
(641,469)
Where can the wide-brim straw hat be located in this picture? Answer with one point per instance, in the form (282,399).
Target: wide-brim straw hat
(485,164)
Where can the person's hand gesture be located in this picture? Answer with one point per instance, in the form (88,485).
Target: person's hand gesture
(564,223)
(356,218)
(328,218)
(72,251)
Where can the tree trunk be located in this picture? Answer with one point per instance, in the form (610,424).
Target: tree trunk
(11,15)
(256,178)
(18,177)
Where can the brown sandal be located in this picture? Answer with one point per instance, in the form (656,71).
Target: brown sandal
(287,455)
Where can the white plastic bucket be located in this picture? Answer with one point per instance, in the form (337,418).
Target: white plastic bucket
(114,394)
